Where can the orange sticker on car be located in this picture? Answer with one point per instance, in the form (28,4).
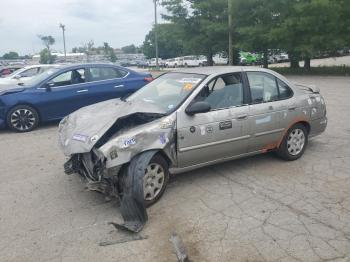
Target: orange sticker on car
(188,87)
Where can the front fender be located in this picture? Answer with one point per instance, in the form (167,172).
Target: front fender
(122,149)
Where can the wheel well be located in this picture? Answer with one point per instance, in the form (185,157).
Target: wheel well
(306,125)
(159,152)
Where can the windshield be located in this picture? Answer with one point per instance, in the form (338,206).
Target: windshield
(40,77)
(169,90)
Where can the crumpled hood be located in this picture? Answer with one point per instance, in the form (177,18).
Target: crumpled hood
(81,130)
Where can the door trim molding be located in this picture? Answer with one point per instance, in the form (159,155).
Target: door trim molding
(185,149)
(269,132)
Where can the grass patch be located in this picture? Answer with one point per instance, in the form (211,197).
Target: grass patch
(322,70)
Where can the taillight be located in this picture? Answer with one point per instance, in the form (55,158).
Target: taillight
(148,79)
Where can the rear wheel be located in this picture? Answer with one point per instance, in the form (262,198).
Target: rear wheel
(22,118)
(155,179)
(294,143)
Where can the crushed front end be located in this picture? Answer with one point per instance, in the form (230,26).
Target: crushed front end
(92,167)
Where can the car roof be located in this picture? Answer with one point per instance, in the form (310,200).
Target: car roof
(74,66)
(216,70)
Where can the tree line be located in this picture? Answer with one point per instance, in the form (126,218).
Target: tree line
(302,28)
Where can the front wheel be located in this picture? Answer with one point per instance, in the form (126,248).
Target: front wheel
(294,143)
(155,179)
(22,118)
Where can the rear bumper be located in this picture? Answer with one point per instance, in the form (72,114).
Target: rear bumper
(318,126)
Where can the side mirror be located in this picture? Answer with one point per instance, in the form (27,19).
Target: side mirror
(198,107)
(17,77)
(49,85)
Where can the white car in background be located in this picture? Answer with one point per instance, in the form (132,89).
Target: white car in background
(220,59)
(170,62)
(193,61)
(153,63)
(24,74)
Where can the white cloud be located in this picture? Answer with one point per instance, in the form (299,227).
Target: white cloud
(118,22)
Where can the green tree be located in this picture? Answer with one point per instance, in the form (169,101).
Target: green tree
(10,55)
(170,42)
(112,56)
(48,41)
(129,49)
(106,49)
(253,20)
(46,57)
(203,24)
(310,27)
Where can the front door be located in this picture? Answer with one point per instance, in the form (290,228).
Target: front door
(220,133)
(68,92)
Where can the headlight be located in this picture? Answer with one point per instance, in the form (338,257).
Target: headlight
(167,123)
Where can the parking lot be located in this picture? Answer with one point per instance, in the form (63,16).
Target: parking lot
(255,209)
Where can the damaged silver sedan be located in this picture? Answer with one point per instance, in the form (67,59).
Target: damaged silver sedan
(185,120)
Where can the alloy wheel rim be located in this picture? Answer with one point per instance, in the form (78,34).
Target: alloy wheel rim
(296,142)
(22,119)
(153,181)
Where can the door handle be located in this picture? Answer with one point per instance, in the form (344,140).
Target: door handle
(82,91)
(118,86)
(292,108)
(242,117)
(270,107)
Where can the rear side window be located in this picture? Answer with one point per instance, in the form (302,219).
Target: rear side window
(263,87)
(105,73)
(285,91)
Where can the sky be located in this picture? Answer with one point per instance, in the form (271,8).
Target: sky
(118,22)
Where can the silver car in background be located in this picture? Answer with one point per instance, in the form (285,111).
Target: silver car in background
(188,119)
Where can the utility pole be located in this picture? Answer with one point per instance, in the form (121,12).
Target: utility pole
(155,32)
(230,51)
(63,27)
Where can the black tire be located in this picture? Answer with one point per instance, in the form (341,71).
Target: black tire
(22,118)
(159,160)
(286,151)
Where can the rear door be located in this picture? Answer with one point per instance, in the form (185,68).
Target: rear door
(265,111)
(220,133)
(112,82)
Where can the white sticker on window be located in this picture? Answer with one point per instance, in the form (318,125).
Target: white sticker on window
(189,80)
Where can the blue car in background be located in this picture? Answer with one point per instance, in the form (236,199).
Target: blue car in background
(63,89)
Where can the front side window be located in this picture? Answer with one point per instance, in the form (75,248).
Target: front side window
(263,87)
(71,77)
(223,92)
